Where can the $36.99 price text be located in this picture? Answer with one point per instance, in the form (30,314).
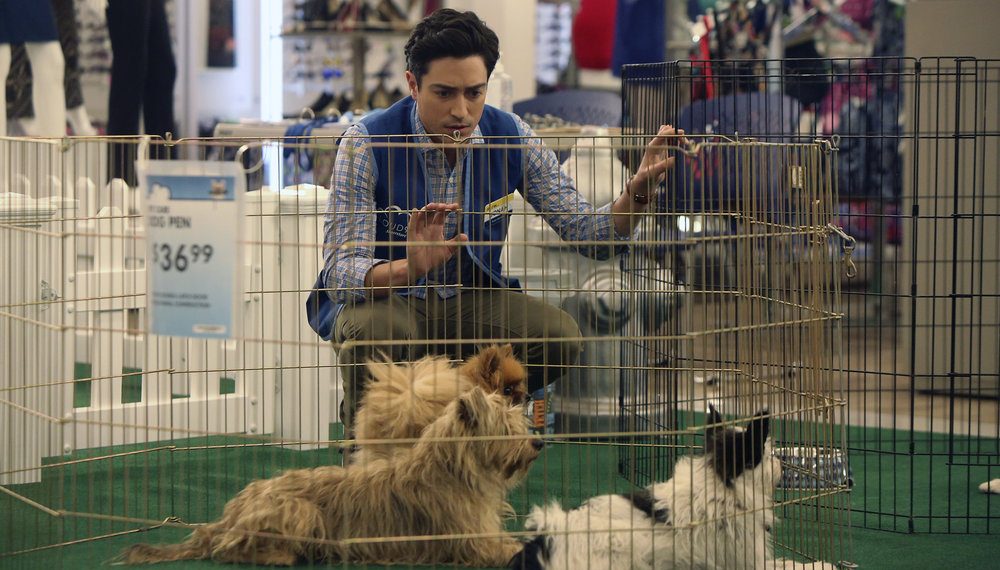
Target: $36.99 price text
(173,257)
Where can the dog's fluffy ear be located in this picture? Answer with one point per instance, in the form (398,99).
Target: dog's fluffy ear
(757,431)
(733,452)
(489,360)
(724,450)
(712,432)
(506,350)
(472,407)
(713,417)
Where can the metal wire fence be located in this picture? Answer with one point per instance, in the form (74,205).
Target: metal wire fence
(916,185)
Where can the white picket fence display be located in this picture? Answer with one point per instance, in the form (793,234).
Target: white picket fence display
(74,286)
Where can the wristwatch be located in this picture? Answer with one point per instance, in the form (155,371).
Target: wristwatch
(637,198)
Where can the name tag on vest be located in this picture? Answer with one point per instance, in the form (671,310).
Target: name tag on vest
(497,208)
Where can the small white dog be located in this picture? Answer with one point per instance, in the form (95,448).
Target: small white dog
(715,513)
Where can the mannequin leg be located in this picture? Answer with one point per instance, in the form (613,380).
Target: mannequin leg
(4,68)
(48,95)
(128,27)
(79,122)
(69,40)
(158,99)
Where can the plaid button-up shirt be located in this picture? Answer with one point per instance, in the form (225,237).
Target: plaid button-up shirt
(350,215)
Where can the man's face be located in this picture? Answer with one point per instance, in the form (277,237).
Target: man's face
(451,95)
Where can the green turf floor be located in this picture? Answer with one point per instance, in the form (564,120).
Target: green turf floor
(193,485)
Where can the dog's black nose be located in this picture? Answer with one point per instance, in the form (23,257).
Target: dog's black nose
(538,444)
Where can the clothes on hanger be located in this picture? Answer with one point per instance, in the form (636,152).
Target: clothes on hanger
(553,45)
(321,103)
(805,25)
(380,97)
(807,76)
(594,33)
(430,6)
(640,33)
(346,15)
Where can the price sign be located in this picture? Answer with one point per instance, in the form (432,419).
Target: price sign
(194,221)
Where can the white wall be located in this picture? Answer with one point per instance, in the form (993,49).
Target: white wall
(514,23)
(205,92)
(954,177)
(953,28)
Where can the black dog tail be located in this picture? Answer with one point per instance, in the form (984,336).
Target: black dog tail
(533,556)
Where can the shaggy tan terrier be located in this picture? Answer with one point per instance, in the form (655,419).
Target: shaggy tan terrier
(452,482)
(402,399)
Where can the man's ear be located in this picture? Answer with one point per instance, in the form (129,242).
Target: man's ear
(411,83)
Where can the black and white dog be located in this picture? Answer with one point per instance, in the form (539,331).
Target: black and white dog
(715,513)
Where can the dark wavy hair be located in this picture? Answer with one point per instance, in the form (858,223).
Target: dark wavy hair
(450,33)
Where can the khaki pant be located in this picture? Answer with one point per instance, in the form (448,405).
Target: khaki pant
(470,319)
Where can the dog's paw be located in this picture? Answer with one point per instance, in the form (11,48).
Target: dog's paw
(535,519)
(533,555)
(542,518)
(991,487)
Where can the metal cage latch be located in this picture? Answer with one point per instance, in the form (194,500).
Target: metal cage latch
(850,269)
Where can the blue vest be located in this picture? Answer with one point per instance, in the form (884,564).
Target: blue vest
(490,175)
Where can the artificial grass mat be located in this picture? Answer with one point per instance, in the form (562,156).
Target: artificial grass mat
(192,479)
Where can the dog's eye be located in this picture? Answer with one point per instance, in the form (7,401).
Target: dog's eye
(507,390)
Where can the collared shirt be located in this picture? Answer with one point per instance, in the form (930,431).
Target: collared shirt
(349,227)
